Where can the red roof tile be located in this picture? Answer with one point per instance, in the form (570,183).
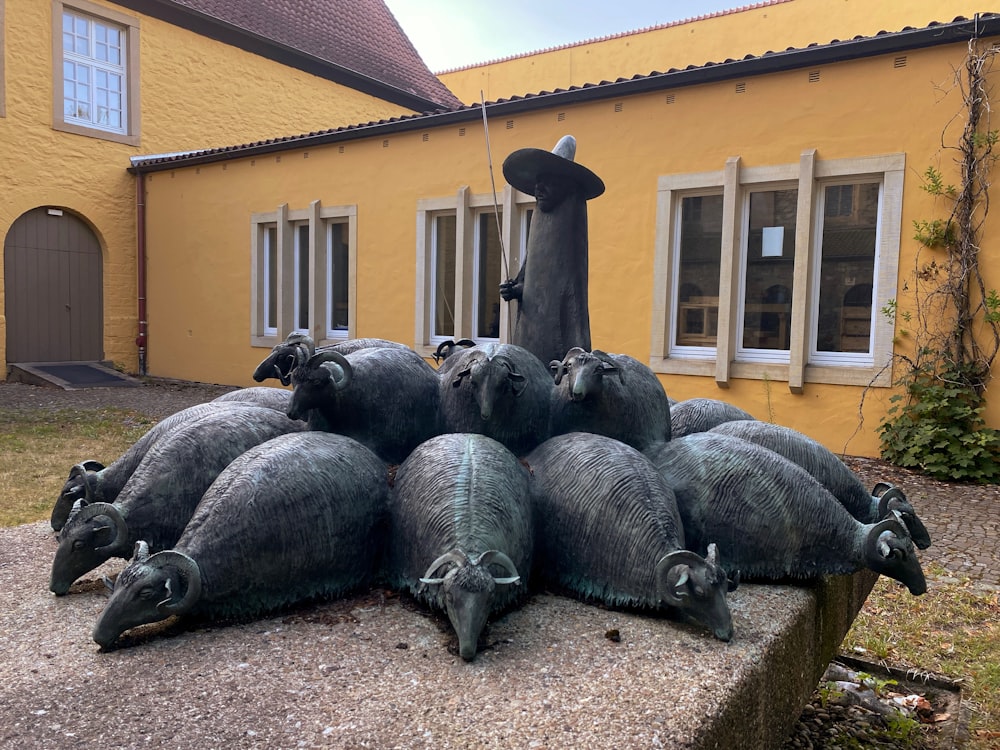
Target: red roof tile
(358,35)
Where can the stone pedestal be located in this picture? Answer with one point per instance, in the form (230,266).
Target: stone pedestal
(375,671)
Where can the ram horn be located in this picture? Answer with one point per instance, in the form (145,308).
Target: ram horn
(439,353)
(496,557)
(189,573)
(885,499)
(85,473)
(558,368)
(111,511)
(456,556)
(663,568)
(341,375)
(140,552)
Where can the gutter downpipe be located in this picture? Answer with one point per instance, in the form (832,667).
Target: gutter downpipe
(140,248)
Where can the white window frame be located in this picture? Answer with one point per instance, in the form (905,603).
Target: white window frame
(128,69)
(466,207)
(724,362)
(317,217)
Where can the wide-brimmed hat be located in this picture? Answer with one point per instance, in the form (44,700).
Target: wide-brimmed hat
(522,168)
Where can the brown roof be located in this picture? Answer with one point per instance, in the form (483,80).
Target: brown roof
(355,42)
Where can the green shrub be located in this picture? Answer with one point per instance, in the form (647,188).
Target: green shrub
(938,428)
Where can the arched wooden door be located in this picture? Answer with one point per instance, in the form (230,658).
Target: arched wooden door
(53,289)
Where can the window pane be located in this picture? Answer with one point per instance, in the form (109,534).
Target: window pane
(443,240)
(271,278)
(847,267)
(698,268)
(302,277)
(92,48)
(337,283)
(488,265)
(770,258)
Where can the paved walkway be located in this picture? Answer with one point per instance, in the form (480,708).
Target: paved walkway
(965,535)
(963,521)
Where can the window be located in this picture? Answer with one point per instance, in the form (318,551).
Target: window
(466,246)
(767,271)
(846,273)
(778,272)
(303,273)
(443,247)
(698,261)
(269,237)
(338,285)
(95,51)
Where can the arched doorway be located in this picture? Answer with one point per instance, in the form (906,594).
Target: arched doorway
(53,289)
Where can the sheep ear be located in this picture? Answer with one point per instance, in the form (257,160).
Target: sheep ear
(517,383)
(558,369)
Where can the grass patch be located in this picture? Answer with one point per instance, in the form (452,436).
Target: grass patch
(40,447)
(952,630)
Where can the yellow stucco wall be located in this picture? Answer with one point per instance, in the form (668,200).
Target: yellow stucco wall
(752,31)
(199,218)
(195,93)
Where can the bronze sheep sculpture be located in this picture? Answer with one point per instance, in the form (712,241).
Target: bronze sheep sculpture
(467,491)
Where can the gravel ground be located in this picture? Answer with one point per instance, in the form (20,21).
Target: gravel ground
(404,640)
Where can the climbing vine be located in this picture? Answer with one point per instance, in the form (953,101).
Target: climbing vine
(949,336)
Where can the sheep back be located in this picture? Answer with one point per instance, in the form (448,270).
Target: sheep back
(815,458)
(259,395)
(459,491)
(157,502)
(104,484)
(770,516)
(632,406)
(295,518)
(702,414)
(390,404)
(603,519)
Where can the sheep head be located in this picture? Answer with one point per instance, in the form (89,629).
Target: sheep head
(318,379)
(889,550)
(697,586)
(92,534)
(586,371)
(891,498)
(81,484)
(466,591)
(284,358)
(151,588)
(489,377)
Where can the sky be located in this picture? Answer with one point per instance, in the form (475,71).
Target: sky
(455,33)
